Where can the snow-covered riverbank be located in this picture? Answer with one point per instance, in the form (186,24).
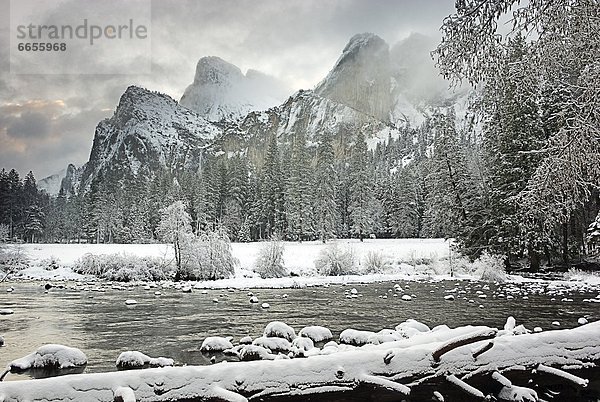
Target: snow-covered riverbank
(53,261)
(406,259)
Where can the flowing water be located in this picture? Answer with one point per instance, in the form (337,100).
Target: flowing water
(173,324)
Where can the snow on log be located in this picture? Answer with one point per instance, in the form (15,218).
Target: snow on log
(463,386)
(124,394)
(326,376)
(562,374)
(384,383)
(482,349)
(518,394)
(462,341)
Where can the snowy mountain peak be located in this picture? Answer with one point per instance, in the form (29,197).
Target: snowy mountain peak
(221,91)
(214,70)
(148,131)
(361,77)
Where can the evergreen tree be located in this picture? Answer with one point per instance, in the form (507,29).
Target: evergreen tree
(512,135)
(273,219)
(451,191)
(15,210)
(298,192)
(324,190)
(364,209)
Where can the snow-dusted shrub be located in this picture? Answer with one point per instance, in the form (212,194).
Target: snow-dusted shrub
(12,258)
(376,262)
(490,267)
(574,274)
(334,261)
(269,263)
(122,267)
(206,257)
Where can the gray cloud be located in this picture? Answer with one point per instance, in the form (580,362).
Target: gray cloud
(297,41)
(29,125)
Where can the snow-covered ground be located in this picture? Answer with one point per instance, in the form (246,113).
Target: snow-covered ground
(406,259)
(401,254)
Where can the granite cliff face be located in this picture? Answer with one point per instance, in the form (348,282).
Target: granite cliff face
(369,89)
(361,77)
(148,131)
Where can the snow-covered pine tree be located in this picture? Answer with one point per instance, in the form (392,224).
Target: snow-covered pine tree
(400,199)
(33,216)
(450,187)
(593,237)
(563,43)
(364,208)
(298,191)
(512,136)
(236,195)
(324,205)
(273,218)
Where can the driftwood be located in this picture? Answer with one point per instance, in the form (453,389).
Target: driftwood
(412,370)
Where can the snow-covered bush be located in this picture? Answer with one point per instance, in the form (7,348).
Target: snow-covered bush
(574,274)
(376,262)
(334,261)
(12,258)
(269,263)
(490,267)
(123,267)
(206,257)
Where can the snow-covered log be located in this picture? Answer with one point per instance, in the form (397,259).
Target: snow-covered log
(373,372)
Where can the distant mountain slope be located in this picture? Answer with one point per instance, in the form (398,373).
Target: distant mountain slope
(148,130)
(221,92)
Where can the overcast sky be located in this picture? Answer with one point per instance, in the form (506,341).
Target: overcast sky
(48,120)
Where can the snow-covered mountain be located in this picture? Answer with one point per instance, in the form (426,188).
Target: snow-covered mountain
(148,131)
(66,180)
(360,78)
(51,184)
(370,89)
(221,91)
(313,115)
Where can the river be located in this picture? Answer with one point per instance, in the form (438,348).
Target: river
(95,318)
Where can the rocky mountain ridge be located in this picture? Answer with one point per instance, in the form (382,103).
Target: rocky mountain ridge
(369,89)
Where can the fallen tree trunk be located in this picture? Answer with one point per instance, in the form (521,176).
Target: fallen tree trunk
(402,370)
